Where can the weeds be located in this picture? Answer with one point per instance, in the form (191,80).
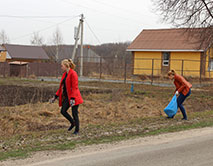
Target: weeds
(107,115)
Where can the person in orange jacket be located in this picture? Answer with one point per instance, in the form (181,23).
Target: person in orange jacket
(183,90)
(69,94)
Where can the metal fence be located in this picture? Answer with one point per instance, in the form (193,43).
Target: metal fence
(155,70)
(4,69)
(105,68)
(121,69)
(30,70)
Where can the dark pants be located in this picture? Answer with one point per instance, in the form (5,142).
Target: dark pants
(64,109)
(181,98)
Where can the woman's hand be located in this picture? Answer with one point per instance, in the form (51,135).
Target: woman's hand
(72,102)
(52,100)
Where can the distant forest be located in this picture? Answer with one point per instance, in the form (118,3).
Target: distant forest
(113,50)
(108,52)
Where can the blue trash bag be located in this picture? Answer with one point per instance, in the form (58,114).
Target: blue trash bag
(172,107)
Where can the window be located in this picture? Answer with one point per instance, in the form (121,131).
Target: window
(211,65)
(166,57)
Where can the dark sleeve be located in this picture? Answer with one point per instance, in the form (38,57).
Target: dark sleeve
(74,84)
(56,96)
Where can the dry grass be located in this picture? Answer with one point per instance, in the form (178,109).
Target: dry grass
(97,109)
(115,106)
(111,112)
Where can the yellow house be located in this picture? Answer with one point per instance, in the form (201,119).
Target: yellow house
(22,53)
(3,54)
(156,51)
(18,57)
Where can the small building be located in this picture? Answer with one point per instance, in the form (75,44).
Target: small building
(18,69)
(156,51)
(23,53)
(18,57)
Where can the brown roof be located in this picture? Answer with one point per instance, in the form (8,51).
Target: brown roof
(26,52)
(166,40)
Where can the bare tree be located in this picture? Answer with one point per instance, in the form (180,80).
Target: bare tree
(57,40)
(4,37)
(57,37)
(188,14)
(36,39)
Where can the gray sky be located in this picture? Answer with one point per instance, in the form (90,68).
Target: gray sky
(106,21)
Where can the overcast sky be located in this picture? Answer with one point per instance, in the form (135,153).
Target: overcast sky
(106,21)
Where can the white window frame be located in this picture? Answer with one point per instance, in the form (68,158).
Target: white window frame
(166,61)
(211,64)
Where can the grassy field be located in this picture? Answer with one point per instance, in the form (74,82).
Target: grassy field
(110,112)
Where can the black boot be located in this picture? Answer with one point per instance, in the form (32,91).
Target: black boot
(71,127)
(75,132)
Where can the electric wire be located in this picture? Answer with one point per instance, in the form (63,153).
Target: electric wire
(44,28)
(92,32)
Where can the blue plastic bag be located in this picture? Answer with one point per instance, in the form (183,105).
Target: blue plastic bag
(172,107)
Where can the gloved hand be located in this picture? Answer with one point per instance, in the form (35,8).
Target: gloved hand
(177,93)
(72,102)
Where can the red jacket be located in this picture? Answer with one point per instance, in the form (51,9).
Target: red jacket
(182,86)
(71,86)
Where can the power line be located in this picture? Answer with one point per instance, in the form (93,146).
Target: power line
(106,13)
(125,10)
(33,18)
(44,28)
(93,32)
(82,6)
(29,17)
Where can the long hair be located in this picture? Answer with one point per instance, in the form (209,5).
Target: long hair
(171,72)
(68,63)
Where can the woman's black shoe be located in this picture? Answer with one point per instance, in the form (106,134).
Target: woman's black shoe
(70,128)
(75,132)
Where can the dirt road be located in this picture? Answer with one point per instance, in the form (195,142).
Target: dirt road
(192,147)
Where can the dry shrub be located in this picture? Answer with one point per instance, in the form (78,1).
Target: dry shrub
(144,77)
(94,74)
(124,109)
(30,117)
(32,76)
(117,95)
(96,109)
(45,113)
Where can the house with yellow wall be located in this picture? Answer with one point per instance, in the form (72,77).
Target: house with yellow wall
(22,53)
(18,57)
(156,51)
(2,54)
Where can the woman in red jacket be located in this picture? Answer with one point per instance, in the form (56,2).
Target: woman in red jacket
(69,94)
(183,89)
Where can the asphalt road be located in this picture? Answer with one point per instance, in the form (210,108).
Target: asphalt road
(196,151)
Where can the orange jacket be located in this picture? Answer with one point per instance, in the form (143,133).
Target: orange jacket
(71,86)
(182,86)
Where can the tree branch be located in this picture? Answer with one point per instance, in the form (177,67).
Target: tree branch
(207,8)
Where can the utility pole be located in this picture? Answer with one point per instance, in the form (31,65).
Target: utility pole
(81,69)
(56,56)
(76,36)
